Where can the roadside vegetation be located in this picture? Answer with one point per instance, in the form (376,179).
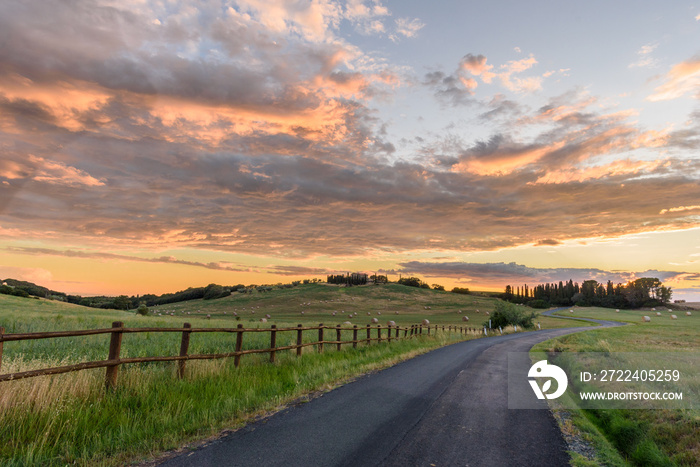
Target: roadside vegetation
(634,436)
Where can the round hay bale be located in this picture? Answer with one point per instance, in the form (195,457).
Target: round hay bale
(426,322)
(617,311)
(674,317)
(347,322)
(658,313)
(268,316)
(391,323)
(646,319)
(687,313)
(263,320)
(465,318)
(375,320)
(396,312)
(488,312)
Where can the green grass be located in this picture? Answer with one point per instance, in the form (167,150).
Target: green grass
(641,437)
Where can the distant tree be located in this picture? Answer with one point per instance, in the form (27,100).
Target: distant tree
(142,310)
(461,290)
(438,287)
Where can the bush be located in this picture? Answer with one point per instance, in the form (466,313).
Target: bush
(507,313)
(540,304)
(461,290)
(142,310)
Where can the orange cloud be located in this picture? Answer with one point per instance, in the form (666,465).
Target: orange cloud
(680,209)
(682,79)
(506,160)
(621,167)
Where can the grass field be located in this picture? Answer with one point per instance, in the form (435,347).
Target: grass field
(639,437)
(66,419)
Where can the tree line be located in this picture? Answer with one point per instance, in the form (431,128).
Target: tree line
(645,291)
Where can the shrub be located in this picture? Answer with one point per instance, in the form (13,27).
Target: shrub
(507,313)
(461,290)
(541,304)
(142,310)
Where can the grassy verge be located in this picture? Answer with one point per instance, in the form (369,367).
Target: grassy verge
(637,437)
(70,419)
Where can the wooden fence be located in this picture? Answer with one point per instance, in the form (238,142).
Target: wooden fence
(117,330)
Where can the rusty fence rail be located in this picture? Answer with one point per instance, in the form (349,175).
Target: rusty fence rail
(381,334)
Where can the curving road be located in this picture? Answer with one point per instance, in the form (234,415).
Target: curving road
(445,408)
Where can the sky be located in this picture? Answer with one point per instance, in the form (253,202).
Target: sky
(150,146)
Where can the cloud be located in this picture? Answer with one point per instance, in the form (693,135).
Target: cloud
(476,65)
(502,274)
(237,130)
(644,57)
(406,28)
(506,74)
(680,209)
(683,78)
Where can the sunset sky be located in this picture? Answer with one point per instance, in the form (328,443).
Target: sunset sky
(149,146)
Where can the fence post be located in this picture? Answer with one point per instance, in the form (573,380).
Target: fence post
(239,345)
(299,340)
(320,337)
(397,332)
(338,336)
(420,329)
(354,337)
(388,333)
(115,346)
(369,340)
(405,332)
(428,328)
(2,331)
(273,342)
(379,332)
(184,347)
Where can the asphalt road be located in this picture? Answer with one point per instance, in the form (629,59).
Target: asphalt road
(448,407)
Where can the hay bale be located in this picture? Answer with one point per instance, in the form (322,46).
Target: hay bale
(687,313)
(465,318)
(646,319)
(391,323)
(674,317)
(263,320)
(375,320)
(426,322)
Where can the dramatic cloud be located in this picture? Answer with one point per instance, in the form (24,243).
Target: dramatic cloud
(258,128)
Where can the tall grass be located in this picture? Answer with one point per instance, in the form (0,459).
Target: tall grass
(70,418)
